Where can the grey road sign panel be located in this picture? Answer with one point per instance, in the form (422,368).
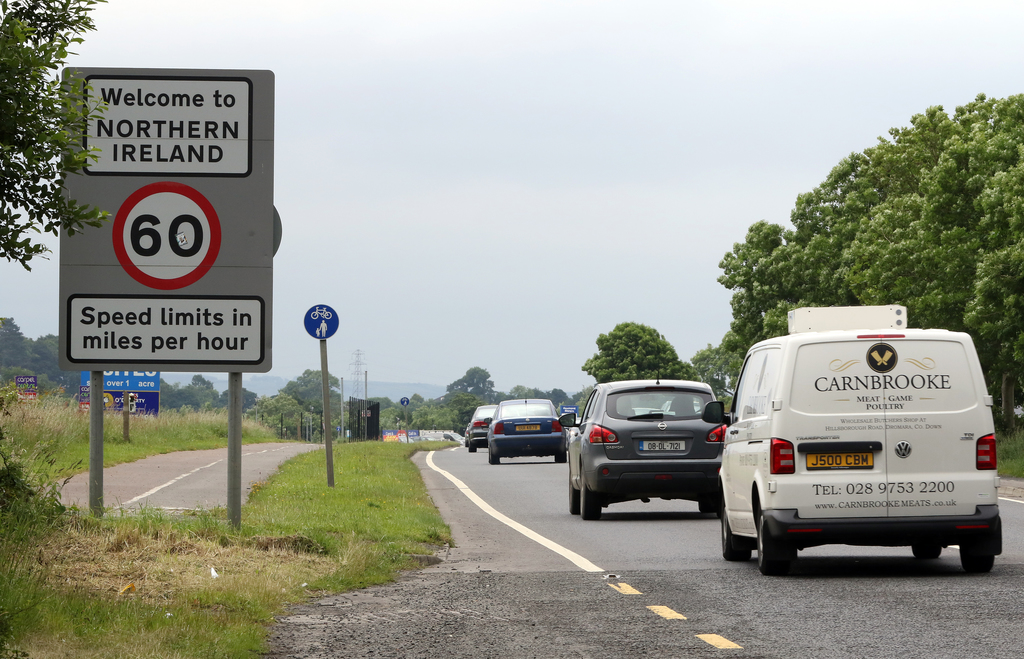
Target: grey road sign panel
(189,232)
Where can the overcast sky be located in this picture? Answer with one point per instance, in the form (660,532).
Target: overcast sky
(494,184)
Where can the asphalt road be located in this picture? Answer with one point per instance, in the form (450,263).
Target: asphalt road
(184,479)
(647,580)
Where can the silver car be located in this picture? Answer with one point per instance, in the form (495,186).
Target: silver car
(644,439)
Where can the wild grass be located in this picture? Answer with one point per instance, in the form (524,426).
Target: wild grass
(1010,453)
(51,431)
(141,585)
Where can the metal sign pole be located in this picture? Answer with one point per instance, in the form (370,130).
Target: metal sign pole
(327,412)
(341,434)
(96,443)
(235,449)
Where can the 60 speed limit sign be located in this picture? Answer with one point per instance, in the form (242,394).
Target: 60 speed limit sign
(166,235)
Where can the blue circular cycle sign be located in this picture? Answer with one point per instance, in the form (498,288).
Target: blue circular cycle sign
(404,401)
(321,321)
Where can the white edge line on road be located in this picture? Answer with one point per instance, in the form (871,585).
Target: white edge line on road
(170,482)
(572,556)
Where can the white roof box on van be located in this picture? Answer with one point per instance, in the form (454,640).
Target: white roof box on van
(824,319)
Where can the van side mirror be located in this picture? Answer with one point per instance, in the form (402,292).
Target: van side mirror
(568,420)
(714,412)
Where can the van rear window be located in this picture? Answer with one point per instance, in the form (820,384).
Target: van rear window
(883,377)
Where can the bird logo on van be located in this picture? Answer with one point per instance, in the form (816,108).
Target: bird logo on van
(882,358)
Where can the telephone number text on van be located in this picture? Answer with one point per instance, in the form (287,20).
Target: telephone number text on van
(908,487)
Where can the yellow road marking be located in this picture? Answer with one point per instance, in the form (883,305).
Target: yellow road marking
(625,589)
(667,613)
(719,642)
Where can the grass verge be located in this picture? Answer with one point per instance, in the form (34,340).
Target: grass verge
(143,585)
(1010,453)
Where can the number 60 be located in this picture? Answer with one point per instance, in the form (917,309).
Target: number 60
(138,232)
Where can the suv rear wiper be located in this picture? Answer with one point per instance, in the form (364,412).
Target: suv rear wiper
(649,415)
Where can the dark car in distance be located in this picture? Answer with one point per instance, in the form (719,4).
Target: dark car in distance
(644,439)
(476,431)
(525,427)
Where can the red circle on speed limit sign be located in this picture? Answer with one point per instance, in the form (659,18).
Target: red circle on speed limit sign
(166,235)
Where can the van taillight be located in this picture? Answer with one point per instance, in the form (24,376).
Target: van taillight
(601,435)
(499,428)
(783,458)
(717,434)
(987,452)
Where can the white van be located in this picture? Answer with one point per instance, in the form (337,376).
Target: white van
(880,437)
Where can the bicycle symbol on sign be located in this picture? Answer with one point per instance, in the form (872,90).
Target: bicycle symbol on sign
(320,312)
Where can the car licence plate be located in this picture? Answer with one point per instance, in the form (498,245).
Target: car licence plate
(532,426)
(646,445)
(840,460)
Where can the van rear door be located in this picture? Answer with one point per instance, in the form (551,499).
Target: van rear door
(934,415)
(836,424)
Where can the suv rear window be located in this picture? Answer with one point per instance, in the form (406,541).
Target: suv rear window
(484,412)
(671,403)
(521,410)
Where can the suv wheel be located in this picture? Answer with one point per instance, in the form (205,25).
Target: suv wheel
(708,503)
(590,504)
(926,551)
(729,551)
(766,544)
(574,498)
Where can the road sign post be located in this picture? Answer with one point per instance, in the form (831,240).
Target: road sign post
(321,322)
(182,278)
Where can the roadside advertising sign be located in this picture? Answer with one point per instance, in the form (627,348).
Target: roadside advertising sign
(27,386)
(390,436)
(403,437)
(414,434)
(182,275)
(144,384)
(83,398)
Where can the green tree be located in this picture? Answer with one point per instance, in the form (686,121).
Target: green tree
(40,124)
(308,390)
(719,367)
(462,407)
(632,351)
(476,381)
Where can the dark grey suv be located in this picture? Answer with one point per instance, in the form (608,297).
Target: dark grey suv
(644,439)
(476,431)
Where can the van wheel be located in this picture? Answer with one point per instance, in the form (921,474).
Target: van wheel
(926,551)
(976,564)
(574,498)
(765,543)
(590,503)
(729,551)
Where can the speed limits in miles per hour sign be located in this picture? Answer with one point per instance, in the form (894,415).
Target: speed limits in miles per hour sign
(166,235)
(180,278)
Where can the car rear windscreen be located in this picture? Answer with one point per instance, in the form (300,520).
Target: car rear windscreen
(484,412)
(522,410)
(670,403)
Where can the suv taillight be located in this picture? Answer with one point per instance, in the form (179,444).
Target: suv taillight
(783,459)
(556,426)
(601,435)
(987,452)
(499,428)
(717,434)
